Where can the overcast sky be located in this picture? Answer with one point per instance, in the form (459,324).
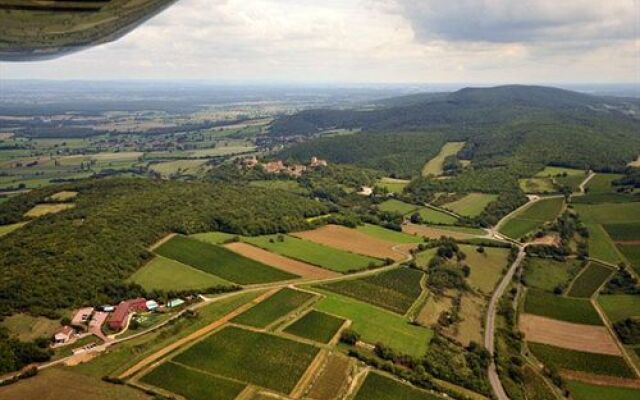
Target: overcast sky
(477,41)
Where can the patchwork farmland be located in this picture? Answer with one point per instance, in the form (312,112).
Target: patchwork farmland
(532,217)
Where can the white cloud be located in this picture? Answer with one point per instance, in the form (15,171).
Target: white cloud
(369,40)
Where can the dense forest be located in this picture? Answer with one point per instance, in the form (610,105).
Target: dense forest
(502,126)
(84,254)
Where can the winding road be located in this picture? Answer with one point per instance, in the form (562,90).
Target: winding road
(489,336)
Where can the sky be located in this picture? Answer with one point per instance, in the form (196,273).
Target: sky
(368,41)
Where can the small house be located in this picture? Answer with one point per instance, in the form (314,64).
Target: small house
(152,305)
(175,303)
(64,335)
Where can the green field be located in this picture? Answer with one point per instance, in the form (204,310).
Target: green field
(379,387)
(579,311)
(313,253)
(397,206)
(600,245)
(631,253)
(191,384)
(434,166)
(537,185)
(272,309)
(316,326)
(619,307)
(258,358)
(600,364)
(395,290)
(601,183)
(378,325)
(214,237)
(472,204)
(27,328)
(179,167)
(623,232)
(431,216)
(393,185)
(486,268)
(552,172)
(584,391)
(532,217)
(590,280)
(388,234)
(220,261)
(166,274)
(621,213)
(547,274)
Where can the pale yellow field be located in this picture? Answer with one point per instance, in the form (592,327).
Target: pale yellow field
(44,209)
(64,196)
(434,166)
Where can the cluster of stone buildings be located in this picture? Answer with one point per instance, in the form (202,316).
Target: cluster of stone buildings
(279,167)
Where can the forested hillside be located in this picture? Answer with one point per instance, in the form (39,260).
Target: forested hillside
(84,254)
(509,125)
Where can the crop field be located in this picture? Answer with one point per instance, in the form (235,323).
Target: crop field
(26,327)
(601,183)
(166,274)
(436,232)
(393,185)
(620,306)
(547,274)
(316,326)
(45,209)
(584,391)
(587,338)
(380,387)
(191,384)
(599,364)
(431,216)
(179,167)
(351,240)
(537,185)
(64,383)
(378,325)
(623,232)
(213,237)
(7,229)
(631,253)
(394,290)
(388,234)
(262,359)
(600,245)
(532,217)
(551,172)
(621,213)
(333,378)
(579,311)
(313,253)
(487,267)
(397,206)
(472,204)
(272,309)
(220,261)
(434,166)
(590,280)
(290,265)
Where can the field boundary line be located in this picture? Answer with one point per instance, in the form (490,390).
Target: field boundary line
(162,241)
(154,358)
(308,377)
(568,289)
(419,302)
(612,332)
(294,314)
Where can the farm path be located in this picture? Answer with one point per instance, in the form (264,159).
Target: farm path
(489,338)
(583,185)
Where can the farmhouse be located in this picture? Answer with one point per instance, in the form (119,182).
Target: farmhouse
(65,334)
(316,162)
(118,318)
(82,316)
(274,167)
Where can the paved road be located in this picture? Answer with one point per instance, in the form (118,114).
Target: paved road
(489,336)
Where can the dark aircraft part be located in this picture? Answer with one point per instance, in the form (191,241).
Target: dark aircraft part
(33,30)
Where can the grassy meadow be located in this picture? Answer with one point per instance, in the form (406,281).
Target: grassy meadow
(165,274)
(472,204)
(486,267)
(547,274)
(435,165)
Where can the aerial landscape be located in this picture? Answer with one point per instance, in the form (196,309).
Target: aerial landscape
(189,236)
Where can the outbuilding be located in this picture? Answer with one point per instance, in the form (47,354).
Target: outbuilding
(65,334)
(175,303)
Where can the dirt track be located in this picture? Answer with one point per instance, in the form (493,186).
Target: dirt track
(286,264)
(592,339)
(351,240)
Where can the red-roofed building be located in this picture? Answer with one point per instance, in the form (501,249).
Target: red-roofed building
(138,305)
(118,318)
